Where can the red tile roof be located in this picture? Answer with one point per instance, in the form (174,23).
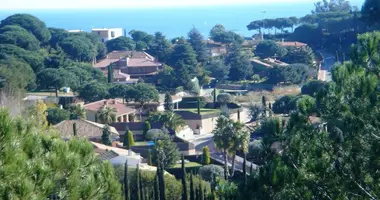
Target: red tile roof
(105,63)
(142,62)
(121,109)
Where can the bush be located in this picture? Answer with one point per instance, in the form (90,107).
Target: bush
(224,98)
(208,171)
(312,88)
(57,115)
(269,48)
(154,134)
(255,150)
(284,104)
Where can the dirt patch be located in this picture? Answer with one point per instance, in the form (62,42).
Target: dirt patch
(271,96)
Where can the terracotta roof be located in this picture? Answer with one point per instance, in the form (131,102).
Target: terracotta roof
(121,109)
(105,63)
(85,129)
(142,62)
(293,43)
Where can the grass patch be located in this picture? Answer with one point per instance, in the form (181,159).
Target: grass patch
(188,164)
(143,143)
(203,110)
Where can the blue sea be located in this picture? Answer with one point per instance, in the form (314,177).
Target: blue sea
(173,22)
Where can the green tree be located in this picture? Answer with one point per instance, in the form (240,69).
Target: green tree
(120,44)
(93,91)
(79,48)
(168,102)
(126,182)
(31,24)
(206,156)
(240,142)
(184,184)
(106,136)
(57,78)
(170,120)
(34,59)
(119,90)
(16,35)
(11,71)
(76,112)
(332,6)
(199,46)
(106,115)
(223,138)
(58,156)
(269,48)
(165,152)
(207,172)
(218,69)
(147,127)
(241,67)
(138,181)
(128,139)
(310,34)
(303,55)
(192,192)
(110,74)
(160,47)
(284,104)
(145,93)
(371,12)
(294,73)
(156,188)
(75,129)
(57,115)
(314,87)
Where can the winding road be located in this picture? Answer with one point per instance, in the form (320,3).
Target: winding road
(324,73)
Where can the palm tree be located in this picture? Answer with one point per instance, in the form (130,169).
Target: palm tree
(77,112)
(239,143)
(169,119)
(106,115)
(223,138)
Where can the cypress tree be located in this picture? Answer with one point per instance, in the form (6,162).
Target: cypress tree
(184,184)
(245,169)
(214,98)
(156,188)
(110,73)
(150,157)
(264,101)
(197,193)
(128,139)
(142,190)
(198,106)
(192,195)
(147,127)
(168,102)
(161,180)
(137,182)
(251,169)
(126,181)
(204,193)
(206,156)
(106,136)
(75,129)
(200,190)
(336,56)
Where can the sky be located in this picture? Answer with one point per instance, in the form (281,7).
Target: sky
(96,4)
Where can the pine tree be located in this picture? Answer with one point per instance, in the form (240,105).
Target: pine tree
(192,195)
(206,156)
(138,182)
(156,188)
(184,184)
(126,181)
(168,102)
(110,73)
(75,129)
(264,101)
(106,136)
(128,142)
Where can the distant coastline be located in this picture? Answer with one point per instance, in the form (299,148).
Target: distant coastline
(173,22)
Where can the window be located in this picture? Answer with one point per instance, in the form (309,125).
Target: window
(112,33)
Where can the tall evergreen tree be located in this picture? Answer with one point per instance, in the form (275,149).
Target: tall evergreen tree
(241,67)
(147,127)
(245,168)
(150,157)
(168,102)
(110,73)
(184,184)
(197,42)
(214,98)
(156,188)
(75,129)
(161,177)
(106,136)
(192,195)
(126,182)
(200,190)
(142,189)
(128,139)
(138,182)
(206,156)
(264,101)
(198,105)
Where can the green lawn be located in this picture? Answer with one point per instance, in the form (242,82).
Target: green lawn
(143,143)
(203,110)
(189,164)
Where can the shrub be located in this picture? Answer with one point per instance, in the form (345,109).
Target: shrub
(208,171)
(153,134)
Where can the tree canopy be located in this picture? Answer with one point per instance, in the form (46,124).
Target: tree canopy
(16,35)
(120,44)
(269,48)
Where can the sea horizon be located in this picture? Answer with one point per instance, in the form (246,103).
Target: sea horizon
(172,21)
